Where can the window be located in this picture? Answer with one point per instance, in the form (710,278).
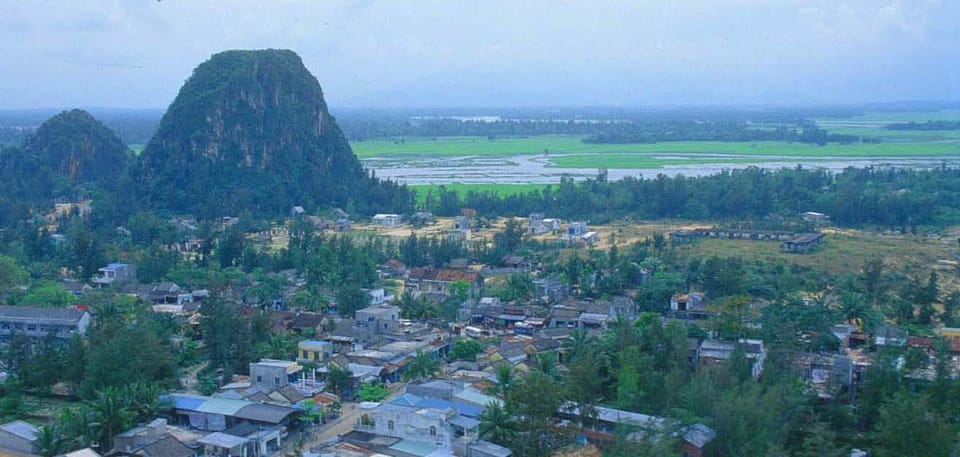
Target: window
(433,430)
(259,379)
(304,356)
(276,382)
(390,425)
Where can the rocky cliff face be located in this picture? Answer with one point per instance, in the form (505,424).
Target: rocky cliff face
(250,131)
(75,145)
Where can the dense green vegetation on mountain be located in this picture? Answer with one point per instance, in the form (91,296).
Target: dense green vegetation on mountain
(74,145)
(250,131)
(70,155)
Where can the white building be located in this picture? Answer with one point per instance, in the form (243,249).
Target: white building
(387,220)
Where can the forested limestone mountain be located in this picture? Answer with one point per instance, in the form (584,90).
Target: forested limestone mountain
(75,145)
(70,155)
(250,131)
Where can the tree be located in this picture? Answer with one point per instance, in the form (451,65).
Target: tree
(85,251)
(504,375)
(951,310)
(465,350)
(536,398)
(11,403)
(577,343)
(459,290)
(111,413)
(854,308)
(508,240)
(11,275)
(339,379)
(50,441)
(732,316)
(48,293)
(909,428)
(78,427)
(872,278)
(422,365)
(820,441)
(585,383)
(520,287)
(497,425)
(372,391)
(350,298)
(547,364)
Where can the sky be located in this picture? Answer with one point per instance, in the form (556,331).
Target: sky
(137,53)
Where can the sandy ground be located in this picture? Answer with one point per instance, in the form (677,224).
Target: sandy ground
(344,424)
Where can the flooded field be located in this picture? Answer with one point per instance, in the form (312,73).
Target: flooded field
(530,169)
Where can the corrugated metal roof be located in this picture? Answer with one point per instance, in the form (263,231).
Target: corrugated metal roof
(414,448)
(462,408)
(21,429)
(223,406)
(222,440)
(476,398)
(259,412)
(186,402)
(70,315)
(464,422)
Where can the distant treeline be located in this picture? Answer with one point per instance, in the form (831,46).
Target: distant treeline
(367,129)
(929,125)
(133,126)
(605,127)
(894,198)
(653,132)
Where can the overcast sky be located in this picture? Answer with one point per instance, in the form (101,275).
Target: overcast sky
(137,53)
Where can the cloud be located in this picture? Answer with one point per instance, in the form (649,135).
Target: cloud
(535,52)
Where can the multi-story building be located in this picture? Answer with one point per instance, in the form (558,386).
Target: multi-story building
(37,322)
(429,425)
(116,273)
(374,321)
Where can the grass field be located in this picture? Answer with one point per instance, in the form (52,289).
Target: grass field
(842,251)
(461,146)
(571,152)
(889,117)
(500,189)
(512,160)
(839,253)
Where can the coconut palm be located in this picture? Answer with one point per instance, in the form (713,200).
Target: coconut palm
(421,366)
(578,341)
(504,374)
(497,425)
(854,308)
(110,409)
(50,441)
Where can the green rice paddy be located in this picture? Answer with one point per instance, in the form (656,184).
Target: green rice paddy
(502,158)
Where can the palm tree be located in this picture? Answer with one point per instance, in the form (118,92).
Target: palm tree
(142,398)
(497,425)
(50,441)
(421,366)
(504,375)
(279,346)
(111,414)
(79,424)
(547,364)
(854,308)
(578,341)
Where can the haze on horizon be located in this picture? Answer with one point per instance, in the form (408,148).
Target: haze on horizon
(117,53)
